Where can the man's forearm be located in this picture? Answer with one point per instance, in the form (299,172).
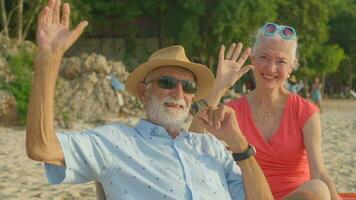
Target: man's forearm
(41,142)
(255,183)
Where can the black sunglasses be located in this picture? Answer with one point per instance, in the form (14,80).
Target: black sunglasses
(169,82)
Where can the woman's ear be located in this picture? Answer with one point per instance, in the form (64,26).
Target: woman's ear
(295,64)
(252,57)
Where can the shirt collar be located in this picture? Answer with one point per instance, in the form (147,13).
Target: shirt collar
(148,129)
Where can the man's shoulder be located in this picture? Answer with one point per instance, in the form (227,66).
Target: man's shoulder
(204,137)
(118,126)
(110,130)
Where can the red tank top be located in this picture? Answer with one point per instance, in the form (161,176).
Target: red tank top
(283,157)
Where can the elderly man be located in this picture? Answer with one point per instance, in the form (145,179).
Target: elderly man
(156,159)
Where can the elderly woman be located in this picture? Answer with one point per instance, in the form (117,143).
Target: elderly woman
(283,127)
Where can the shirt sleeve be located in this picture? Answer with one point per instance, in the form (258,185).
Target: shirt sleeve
(233,173)
(88,155)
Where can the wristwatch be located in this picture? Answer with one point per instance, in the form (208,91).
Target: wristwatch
(198,106)
(251,151)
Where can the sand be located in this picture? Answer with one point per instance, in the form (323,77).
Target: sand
(21,178)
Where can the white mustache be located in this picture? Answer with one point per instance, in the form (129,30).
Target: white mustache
(171,100)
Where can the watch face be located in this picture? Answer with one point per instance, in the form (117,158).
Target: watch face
(197,106)
(194,109)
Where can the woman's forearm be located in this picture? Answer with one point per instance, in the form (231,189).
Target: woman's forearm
(327,179)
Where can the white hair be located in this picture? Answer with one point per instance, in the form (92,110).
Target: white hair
(170,119)
(260,38)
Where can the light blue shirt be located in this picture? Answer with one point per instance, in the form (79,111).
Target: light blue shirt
(144,162)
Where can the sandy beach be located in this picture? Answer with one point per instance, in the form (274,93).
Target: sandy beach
(21,178)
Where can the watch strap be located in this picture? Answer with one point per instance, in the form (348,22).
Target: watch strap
(244,155)
(198,106)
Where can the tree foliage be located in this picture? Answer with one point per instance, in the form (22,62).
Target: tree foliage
(324,28)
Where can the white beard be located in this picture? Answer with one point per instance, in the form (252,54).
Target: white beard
(170,118)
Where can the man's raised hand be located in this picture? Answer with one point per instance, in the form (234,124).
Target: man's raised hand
(53,34)
(222,123)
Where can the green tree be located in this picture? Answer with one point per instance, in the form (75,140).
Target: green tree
(202,26)
(329,58)
(17,17)
(343,28)
(310,19)
(21,67)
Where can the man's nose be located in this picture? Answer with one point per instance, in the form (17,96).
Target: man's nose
(178,91)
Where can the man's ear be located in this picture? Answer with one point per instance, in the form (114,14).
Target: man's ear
(142,92)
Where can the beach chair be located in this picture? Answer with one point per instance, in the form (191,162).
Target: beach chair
(348,196)
(100,194)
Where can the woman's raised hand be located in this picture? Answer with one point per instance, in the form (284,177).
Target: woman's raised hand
(230,67)
(53,34)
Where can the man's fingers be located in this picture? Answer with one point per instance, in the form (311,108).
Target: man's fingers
(210,117)
(202,118)
(42,18)
(46,15)
(49,16)
(231,50)
(65,15)
(51,3)
(56,12)
(216,122)
(74,35)
(237,51)
(218,117)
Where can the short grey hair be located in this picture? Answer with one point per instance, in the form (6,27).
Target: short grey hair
(259,37)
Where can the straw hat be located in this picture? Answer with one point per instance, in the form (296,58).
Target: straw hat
(171,56)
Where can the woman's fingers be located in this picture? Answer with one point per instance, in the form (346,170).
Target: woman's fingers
(237,52)
(222,53)
(245,69)
(244,57)
(230,52)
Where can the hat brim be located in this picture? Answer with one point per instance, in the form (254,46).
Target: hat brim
(203,75)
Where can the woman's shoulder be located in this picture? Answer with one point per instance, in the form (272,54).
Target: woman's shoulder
(300,102)
(302,107)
